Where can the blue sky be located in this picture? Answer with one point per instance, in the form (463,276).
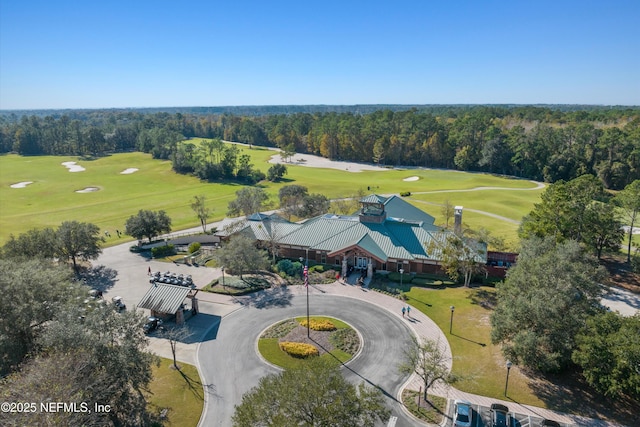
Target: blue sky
(111,54)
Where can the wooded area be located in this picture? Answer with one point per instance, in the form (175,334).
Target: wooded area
(532,142)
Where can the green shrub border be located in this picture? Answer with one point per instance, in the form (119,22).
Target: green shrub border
(163,251)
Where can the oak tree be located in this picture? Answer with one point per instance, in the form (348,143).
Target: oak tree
(321,397)
(544,302)
(148,224)
(249,200)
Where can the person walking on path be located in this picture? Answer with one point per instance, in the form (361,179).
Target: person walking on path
(403,309)
(408,311)
(149,271)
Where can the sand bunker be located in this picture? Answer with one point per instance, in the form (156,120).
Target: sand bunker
(129,171)
(88,190)
(310,160)
(21,184)
(412,178)
(73,167)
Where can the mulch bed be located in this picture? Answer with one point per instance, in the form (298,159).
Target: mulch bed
(621,275)
(319,339)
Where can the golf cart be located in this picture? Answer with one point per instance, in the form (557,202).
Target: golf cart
(118,303)
(152,324)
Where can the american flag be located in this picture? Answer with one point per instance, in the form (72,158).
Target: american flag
(305,273)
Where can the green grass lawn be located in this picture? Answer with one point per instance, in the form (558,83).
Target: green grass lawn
(270,350)
(482,369)
(52,197)
(479,363)
(510,204)
(180,391)
(431,411)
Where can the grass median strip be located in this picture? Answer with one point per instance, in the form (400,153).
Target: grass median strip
(180,392)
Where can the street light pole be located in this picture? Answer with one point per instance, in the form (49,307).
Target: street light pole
(451,321)
(401,274)
(506,384)
(223,285)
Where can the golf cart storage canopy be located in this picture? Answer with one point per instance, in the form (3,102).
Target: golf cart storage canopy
(164,299)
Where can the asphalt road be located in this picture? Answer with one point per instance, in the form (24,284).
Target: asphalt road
(230,365)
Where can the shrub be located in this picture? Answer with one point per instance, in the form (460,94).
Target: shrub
(319,268)
(395,277)
(346,340)
(162,251)
(431,276)
(194,247)
(284,265)
(289,268)
(405,193)
(280,330)
(319,325)
(491,281)
(635,262)
(299,350)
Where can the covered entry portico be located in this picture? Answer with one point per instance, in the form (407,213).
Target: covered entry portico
(356,258)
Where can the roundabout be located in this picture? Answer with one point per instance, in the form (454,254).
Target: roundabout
(327,338)
(230,365)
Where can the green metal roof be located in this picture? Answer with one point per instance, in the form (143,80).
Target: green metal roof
(396,207)
(373,198)
(408,233)
(390,239)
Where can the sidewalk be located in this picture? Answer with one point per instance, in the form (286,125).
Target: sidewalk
(424,327)
(131,282)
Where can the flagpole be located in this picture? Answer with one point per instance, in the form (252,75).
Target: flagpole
(305,273)
(308,324)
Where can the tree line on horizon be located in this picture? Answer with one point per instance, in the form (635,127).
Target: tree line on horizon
(526,141)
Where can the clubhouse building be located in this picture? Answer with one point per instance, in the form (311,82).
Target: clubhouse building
(386,234)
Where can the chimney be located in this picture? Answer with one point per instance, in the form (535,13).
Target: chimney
(457,223)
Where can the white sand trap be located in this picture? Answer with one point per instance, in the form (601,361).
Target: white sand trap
(309,160)
(73,167)
(21,184)
(88,190)
(129,171)
(412,178)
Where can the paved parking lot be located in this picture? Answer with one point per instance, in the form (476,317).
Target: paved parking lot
(482,418)
(122,273)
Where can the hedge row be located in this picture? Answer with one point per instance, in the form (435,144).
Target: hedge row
(319,325)
(432,283)
(162,251)
(395,277)
(299,350)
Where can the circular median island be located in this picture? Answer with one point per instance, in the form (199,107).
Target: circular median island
(286,344)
